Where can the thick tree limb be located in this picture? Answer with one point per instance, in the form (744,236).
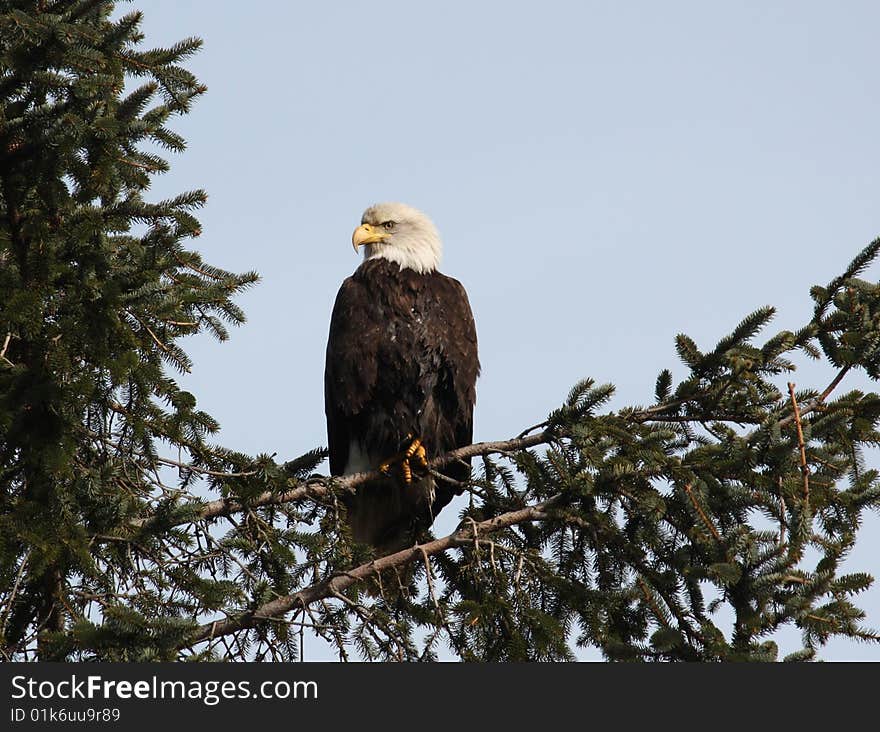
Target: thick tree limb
(333,586)
(321,487)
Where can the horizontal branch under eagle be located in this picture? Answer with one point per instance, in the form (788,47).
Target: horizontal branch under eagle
(333,586)
(322,486)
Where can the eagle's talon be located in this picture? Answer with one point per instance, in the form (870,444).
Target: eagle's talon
(414,447)
(414,451)
(421,457)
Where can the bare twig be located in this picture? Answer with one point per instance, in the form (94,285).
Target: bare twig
(540,426)
(833,385)
(11,599)
(3,350)
(817,403)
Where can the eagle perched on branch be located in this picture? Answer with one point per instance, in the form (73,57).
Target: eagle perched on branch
(400,377)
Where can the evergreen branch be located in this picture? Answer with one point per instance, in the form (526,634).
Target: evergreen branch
(655,610)
(321,487)
(204,471)
(133,62)
(702,418)
(335,585)
(701,512)
(152,335)
(10,601)
(140,166)
(189,265)
(801,446)
(782,509)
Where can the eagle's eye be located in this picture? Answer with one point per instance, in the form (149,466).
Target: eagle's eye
(389,225)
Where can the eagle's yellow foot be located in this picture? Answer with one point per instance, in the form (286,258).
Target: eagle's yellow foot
(415,452)
(421,456)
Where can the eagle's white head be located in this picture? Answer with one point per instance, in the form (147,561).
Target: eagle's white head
(401,234)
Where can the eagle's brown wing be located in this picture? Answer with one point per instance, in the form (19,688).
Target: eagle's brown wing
(401,361)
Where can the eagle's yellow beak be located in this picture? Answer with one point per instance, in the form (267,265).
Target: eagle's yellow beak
(366,234)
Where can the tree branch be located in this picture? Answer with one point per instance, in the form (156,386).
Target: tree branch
(332,586)
(805,469)
(321,487)
(701,512)
(819,400)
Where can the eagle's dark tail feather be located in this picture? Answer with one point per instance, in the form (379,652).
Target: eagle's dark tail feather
(388,514)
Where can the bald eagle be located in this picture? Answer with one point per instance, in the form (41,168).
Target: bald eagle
(400,377)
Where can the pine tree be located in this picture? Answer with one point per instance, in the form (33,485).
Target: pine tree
(97,286)
(691,529)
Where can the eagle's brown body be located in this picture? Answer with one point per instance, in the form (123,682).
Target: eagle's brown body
(401,363)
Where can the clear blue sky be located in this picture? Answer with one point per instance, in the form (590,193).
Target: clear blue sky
(604,175)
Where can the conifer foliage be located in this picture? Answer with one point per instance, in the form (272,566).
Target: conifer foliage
(691,529)
(97,286)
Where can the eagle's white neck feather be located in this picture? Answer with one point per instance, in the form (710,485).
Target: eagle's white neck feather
(419,253)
